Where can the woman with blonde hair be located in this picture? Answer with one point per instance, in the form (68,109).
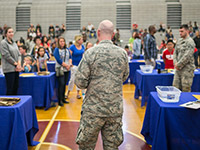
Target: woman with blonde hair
(76,50)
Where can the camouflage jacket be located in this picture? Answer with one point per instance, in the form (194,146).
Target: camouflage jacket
(102,71)
(183,54)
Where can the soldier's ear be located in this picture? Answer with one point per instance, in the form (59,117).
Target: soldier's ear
(98,33)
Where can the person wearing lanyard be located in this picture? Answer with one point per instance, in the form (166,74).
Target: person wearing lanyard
(76,50)
(168,55)
(64,62)
(11,62)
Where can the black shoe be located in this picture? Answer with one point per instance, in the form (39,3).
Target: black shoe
(66,102)
(60,103)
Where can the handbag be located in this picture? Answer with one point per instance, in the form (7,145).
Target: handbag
(60,70)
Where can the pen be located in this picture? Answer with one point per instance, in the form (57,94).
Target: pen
(189,104)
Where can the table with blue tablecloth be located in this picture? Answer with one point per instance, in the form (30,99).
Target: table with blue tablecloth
(135,64)
(18,125)
(147,82)
(51,66)
(167,126)
(141,56)
(41,88)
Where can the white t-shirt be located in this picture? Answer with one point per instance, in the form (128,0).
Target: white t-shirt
(90,27)
(42,60)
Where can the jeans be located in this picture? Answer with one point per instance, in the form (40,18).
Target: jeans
(62,80)
(196,59)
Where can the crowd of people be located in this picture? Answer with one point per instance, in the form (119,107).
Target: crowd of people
(52,32)
(181,58)
(39,48)
(34,54)
(80,61)
(136,45)
(35,39)
(101,70)
(88,31)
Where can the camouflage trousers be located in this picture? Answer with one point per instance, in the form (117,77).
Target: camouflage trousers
(90,126)
(183,80)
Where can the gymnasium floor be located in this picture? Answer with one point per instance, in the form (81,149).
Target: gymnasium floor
(58,125)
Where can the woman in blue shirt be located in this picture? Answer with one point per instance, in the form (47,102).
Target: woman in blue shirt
(63,62)
(77,50)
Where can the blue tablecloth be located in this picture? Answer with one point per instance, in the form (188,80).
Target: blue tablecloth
(146,83)
(142,56)
(18,125)
(41,88)
(167,126)
(51,66)
(135,64)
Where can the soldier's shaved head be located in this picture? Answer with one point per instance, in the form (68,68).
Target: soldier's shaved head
(106,27)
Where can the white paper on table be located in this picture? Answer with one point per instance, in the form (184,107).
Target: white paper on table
(51,62)
(192,105)
(172,71)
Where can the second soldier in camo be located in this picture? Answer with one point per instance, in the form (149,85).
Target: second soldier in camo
(184,61)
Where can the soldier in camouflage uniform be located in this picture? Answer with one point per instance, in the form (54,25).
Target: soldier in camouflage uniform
(102,71)
(184,61)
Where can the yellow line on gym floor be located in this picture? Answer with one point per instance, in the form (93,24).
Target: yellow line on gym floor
(70,120)
(58,145)
(44,120)
(141,138)
(46,131)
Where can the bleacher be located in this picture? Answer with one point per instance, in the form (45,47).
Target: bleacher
(54,12)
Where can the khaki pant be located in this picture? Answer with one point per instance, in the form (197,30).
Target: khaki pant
(72,78)
(90,126)
(183,80)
